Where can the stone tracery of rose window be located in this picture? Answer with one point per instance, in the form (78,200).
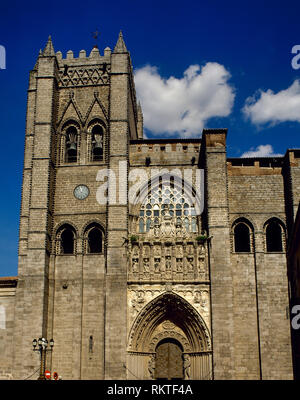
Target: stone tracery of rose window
(167,203)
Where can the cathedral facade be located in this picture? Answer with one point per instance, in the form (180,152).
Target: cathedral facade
(143,258)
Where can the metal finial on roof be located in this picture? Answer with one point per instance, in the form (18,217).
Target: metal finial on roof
(96,36)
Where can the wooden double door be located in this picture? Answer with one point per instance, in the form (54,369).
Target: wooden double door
(169,360)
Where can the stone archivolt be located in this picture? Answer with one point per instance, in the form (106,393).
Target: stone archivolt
(169,316)
(141,295)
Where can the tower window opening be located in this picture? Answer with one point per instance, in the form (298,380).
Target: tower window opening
(67,242)
(97,143)
(71,145)
(274,237)
(242,238)
(95,241)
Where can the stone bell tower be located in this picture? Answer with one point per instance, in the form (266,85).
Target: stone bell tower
(81,115)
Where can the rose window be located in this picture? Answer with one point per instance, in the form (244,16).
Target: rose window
(167,201)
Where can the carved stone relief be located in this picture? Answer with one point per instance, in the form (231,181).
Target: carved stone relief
(179,265)
(144,334)
(141,295)
(157,266)
(135,265)
(168,261)
(146,265)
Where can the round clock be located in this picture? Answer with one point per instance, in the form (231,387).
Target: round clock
(81,192)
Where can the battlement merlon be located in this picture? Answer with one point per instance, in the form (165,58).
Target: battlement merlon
(93,58)
(83,59)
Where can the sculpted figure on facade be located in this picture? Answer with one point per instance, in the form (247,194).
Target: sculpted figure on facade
(156,264)
(146,265)
(179,264)
(179,251)
(204,299)
(135,251)
(151,366)
(135,265)
(201,265)
(178,229)
(140,297)
(168,263)
(146,251)
(197,297)
(190,264)
(167,226)
(156,230)
(190,250)
(157,251)
(187,366)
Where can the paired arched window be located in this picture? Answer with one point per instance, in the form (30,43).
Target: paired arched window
(93,239)
(243,233)
(274,235)
(66,239)
(242,237)
(71,138)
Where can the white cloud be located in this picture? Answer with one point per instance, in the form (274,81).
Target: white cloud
(270,107)
(183,105)
(264,150)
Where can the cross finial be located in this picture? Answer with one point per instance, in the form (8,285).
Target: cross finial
(96,36)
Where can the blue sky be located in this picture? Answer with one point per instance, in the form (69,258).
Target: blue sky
(251,41)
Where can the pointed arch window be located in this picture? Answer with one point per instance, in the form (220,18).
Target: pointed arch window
(71,144)
(274,237)
(93,239)
(66,240)
(97,143)
(242,243)
(95,140)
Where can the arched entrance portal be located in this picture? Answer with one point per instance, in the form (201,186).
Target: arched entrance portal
(169,360)
(169,331)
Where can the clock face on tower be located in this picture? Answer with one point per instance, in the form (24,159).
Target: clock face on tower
(81,192)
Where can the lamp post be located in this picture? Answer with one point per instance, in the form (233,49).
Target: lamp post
(42,344)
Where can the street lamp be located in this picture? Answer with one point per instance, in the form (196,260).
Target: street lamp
(41,345)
